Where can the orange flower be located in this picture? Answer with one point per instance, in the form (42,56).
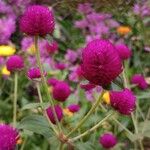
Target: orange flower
(67,112)
(123,30)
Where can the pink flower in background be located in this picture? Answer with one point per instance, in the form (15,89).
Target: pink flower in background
(50,113)
(52,81)
(61,91)
(123,51)
(8,137)
(37,20)
(52,48)
(60,66)
(108,140)
(81,24)
(123,101)
(15,63)
(85,8)
(74,108)
(139,80)
(100,62)
(71,56)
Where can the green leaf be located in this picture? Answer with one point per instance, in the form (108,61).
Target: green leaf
(37,124)
(34,105)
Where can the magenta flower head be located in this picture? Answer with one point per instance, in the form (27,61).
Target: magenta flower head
(52,81)
(123,51)
(60,66)
(123,101)
(59,113)
(87,87)
(15,63)
(8,137)
(74,108)
(34,73)
(61,91)
(100,62)
(139,80)
(37,20)
(108,140)
(52,48)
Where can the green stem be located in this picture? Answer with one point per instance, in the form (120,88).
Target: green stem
(44,112)
(23,144)
(61,146)
(92,129)
(44,82)
(15,99)
(87,115)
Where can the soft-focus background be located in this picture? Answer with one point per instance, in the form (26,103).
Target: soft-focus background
(77,22)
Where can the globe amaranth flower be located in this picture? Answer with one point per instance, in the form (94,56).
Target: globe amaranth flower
(73,108)
(34,73)
(8,137)
(50,113)
(139,80)
(61,91)
(108,140)
(60,66)
(123,51)
(52,81)
(87,87)
(15,63)
(52,48)
(100,62)
(123,101)
(37,20)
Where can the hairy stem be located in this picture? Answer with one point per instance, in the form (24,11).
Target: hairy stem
(87,115)
(15,98)
(45,86)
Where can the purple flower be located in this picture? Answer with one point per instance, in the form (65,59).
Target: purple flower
(14,63)
(37,20)
(123,101)
(101,63)
(74,108)
(52,48)
(8,137)
(52,81)
(108,140)
(85,8)
(50,113)
(81,24)
(139,80)
(88,86)
(34,73)
(71,56)
(123,51)
(60,66)
(61,91)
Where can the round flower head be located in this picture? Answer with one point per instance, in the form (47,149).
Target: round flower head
(34,73)
(52,48)
(52,81)
(14,63)
(139,80)
(8,137)
(123,101)
(74,108)
(61,91)
(37,20)
(101,62)
(60,66)
(108,140)
(123,51)
(59,113)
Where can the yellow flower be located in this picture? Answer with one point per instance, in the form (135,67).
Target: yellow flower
(123,30)
(67,112)
(106,97)
(31,50)
(6,50)
(4,71)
